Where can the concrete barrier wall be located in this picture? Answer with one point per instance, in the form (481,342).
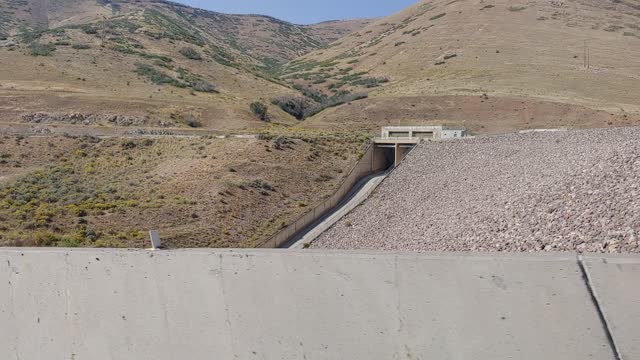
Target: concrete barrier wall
(92,304)
(372,161)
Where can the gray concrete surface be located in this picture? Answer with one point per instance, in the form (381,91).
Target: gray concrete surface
(356,196)
(273,304)
(616,283)
(576,190)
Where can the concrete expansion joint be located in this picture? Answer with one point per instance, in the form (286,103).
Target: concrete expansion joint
(586,276)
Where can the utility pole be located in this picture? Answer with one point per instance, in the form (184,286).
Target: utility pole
(585,54)
(104,30)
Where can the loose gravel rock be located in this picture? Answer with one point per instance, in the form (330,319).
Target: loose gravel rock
(552,191)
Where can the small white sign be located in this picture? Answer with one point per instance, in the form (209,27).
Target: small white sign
(155,239)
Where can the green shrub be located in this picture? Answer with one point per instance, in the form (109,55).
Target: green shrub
(155,56)
(27,35)
(280,142)
(128,144)
(155,76)
(296,106)
(163,64)
(190,53)
(260,109)
(191,121)
(179,29)
(265,136)
(311,93)
(89,29)
(515,8)
(80,46)
(323,178)
(370,82)
(202,86)
(70,241)
(195,81)
(341,98)
(125,49)
(38,49)
(45,239)
(302,107)
(261,185)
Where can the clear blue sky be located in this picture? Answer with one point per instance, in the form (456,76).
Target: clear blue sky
(305,11)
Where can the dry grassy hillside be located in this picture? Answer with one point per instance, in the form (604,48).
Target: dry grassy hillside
(108,129)
(145,80)
(331,31)
(519,65)
(198,191)
(260,40)
(155,63)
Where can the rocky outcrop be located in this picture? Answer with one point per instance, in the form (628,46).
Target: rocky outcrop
(85,119)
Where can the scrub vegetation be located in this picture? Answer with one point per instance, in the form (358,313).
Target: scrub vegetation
(93,192)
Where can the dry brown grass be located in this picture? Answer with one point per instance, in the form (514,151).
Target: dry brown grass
(100,80)
(85,75)
(479,114)
(198,192)
(535,53)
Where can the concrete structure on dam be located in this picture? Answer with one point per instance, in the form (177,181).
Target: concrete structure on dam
(395,142)
(427,132)
(273,304)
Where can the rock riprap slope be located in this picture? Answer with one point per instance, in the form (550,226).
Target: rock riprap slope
(550,191)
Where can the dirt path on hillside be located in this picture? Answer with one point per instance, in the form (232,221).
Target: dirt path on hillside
(15,129)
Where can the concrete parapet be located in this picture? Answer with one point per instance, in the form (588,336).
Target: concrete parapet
(271,304)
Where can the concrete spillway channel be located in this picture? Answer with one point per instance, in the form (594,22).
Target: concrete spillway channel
(382,156)
(355,197)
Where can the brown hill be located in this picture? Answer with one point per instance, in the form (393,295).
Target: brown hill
(157,63)
(263,39)
(491,65)
(98,101)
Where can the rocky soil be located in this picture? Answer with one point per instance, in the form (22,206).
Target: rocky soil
(83,119)
(551,191)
